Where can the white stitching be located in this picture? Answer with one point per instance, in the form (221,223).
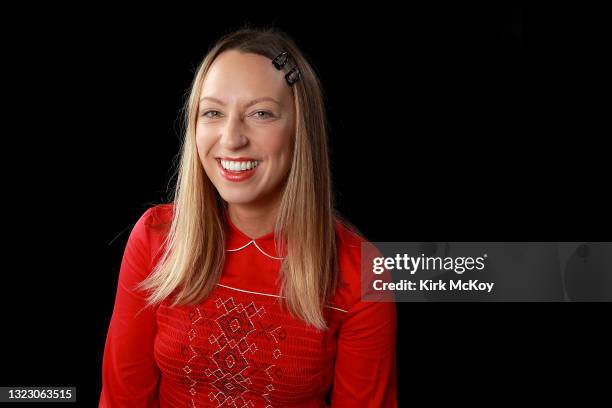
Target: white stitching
(256,246)
(267,294)
(192,390)
(238,249)
(262,251)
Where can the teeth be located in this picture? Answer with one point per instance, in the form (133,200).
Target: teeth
(238,165)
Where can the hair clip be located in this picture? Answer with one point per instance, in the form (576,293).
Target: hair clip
(292,76)
(280,61)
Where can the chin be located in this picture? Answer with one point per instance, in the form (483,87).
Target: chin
(237,197)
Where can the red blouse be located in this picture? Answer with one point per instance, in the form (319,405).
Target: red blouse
(238,348)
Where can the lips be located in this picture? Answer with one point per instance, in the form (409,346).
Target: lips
(239,175)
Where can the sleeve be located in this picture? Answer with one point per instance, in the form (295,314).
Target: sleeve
(130,375)
(365,374)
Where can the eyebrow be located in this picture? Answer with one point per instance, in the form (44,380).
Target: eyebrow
(251,103)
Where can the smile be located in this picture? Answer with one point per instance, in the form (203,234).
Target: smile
(238,165)
(237,170)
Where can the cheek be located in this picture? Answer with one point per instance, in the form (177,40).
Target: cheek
(279,145)
(204,141)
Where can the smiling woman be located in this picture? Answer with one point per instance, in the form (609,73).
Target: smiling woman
(245,290)
(246,118)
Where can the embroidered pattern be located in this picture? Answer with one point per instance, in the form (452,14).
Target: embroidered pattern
(276,296)
(233,365)
(194,316)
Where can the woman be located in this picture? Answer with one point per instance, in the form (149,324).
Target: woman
(244,292)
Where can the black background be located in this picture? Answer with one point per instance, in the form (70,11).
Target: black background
(445,124)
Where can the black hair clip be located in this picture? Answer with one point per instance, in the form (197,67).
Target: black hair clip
(292,76)
(280,61)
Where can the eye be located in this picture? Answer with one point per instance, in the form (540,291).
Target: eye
(211,114)
(263,114)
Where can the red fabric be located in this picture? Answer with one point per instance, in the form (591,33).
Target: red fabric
(238,348)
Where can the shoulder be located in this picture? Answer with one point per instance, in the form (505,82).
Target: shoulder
(349,243)
(156,219)
(150,230)
(158,216)
(361,316)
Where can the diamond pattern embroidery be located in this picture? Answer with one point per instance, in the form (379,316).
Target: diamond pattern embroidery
(194,316)
(234,345)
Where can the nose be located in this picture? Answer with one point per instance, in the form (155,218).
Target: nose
(232,137)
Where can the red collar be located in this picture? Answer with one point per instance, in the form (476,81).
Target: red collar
(238,241)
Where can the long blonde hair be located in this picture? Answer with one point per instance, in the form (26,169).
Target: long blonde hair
(194,253)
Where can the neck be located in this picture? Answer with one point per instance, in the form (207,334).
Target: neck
(254,221)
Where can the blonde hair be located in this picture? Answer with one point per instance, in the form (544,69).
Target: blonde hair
(193,258)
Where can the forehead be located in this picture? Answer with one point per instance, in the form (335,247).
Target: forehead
(235,75)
